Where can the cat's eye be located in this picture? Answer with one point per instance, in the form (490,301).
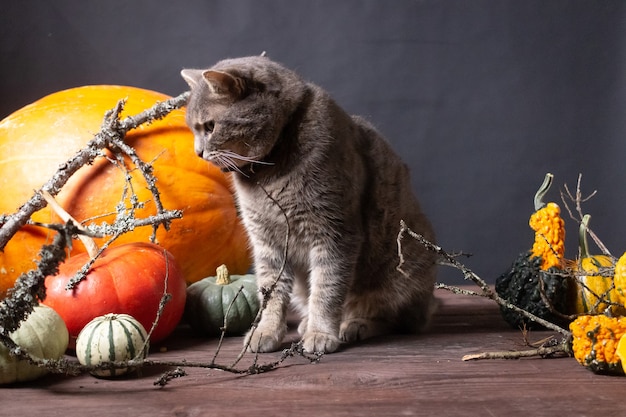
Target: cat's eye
(208,126)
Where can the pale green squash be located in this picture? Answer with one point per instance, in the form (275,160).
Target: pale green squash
(43,335)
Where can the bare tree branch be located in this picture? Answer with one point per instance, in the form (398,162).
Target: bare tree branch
(112,131)
(471,276)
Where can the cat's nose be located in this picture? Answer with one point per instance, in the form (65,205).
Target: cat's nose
(199,149)
(206,155)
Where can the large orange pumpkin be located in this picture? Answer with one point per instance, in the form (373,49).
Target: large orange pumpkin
(36,139)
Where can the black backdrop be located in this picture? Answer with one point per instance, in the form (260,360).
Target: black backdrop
(482,98)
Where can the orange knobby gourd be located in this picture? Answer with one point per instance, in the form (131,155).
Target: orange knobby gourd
(37,139)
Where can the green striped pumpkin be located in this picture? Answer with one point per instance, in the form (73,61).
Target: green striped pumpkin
(111,338)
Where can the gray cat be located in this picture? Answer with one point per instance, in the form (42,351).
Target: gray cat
(296,156)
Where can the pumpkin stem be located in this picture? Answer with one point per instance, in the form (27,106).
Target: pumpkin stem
(582,237)
(222,277)
(88,242)
(542,191)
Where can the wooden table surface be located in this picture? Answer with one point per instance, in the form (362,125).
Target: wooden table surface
(390,376)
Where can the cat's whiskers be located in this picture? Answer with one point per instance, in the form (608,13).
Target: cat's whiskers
(252,159)
(228,159)
(226,162)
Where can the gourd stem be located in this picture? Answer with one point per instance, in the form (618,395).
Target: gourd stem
(582,237)
(221,275)
(88,242)
(542,191)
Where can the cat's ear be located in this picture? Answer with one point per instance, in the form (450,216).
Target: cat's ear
(223,83)
(192,76)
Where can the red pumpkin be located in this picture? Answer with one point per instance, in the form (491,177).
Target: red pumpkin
(36,139)
(127,279)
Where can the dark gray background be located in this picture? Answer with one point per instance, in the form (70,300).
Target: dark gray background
(481,98)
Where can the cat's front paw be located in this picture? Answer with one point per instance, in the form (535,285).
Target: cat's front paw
(263,341)
(317,342)
(359,329)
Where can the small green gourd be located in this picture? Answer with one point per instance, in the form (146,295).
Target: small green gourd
(212,299)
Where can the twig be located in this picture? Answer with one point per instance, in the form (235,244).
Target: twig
(578,200)
(457,290)
(66,217)
(29,288)
(73,367)
(561,348)
(146,170)
(123,225)
(165,298)
(225,324)
(546,300)
(169,375)
(267,292)
(549,346)
(81,274)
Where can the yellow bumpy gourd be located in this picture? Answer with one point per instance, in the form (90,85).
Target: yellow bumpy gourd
(549,229)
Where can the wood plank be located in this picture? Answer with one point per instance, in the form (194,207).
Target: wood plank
(394,375)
